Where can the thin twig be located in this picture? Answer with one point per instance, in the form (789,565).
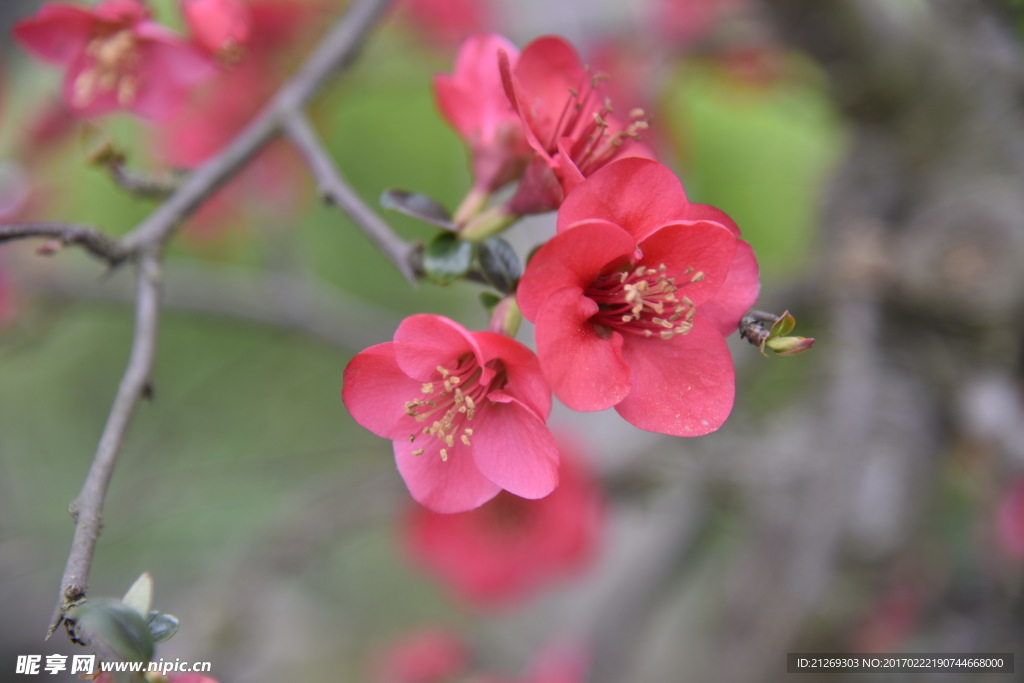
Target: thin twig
(147,185)
(87,508)
(334,189)
(95,242)
(335,51)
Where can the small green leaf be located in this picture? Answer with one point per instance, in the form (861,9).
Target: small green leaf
(500,264)
(447,258)
(489,300)
(140,596)
(115,630)
(162,626)
(418,206)
(783,326)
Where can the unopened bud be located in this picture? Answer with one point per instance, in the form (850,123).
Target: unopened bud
(506,317)
(789,346)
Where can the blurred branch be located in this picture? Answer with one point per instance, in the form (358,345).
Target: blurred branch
(335,52)
(282,300)
(150,186)
(87,507)
(97,243)
(334,189)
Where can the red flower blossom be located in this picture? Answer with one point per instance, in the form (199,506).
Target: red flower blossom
(116,57)
(568,121)
(1010,521)
(221,27)
(466,412)
(633,297)
(473,101)
(510,546)
(428,655)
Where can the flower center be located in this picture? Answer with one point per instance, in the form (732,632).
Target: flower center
(115,59)
(643,301)
(451,401)
(586,118)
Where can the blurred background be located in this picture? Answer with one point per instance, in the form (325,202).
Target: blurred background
(867,496)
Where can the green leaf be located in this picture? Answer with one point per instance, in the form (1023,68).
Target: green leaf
(489,300)
(447,258)
(162,626)
(140,596)
(783,326)
(418,206)
(500,264)
(115,630)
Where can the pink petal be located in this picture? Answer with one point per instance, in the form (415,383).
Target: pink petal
(545,71)
(121,11)
(514,449)
(638,194)
(169,70)
(570,259)
(452,485)
(708,248)
(586,372)
(526,382)
(706,212)
(473,98)
(375,392)
(57,33)
(738,293)
(424,341)
(681,387)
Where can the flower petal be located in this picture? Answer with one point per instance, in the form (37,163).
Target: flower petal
(638,194)
(681,387)
(375,391)
(57,33)
(571,259)
(452,485)
(706,247)
(525,381)
(738,293)
(706,212)
(585,371)
(424,341)
(514,448)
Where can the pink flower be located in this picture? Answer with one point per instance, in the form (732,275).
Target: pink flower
(116,57)
(221,27)
(568,121)
(1010,521)
(466,412)
(511,546)
(633,298)
(473,101)
(428,655)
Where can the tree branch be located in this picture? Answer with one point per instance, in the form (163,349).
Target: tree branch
(335,51)
(87,507)
(97,243)
(334,189)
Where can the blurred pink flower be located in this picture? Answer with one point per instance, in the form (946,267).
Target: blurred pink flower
(221,27)
(115,56)
(1010,520)
(428,655)
(688,21)
(473,101)
(511,546)
(8,303)
(568,121)
(466,411)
